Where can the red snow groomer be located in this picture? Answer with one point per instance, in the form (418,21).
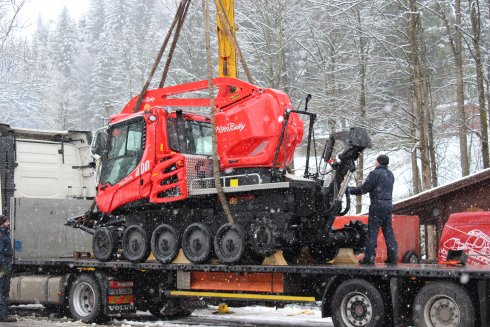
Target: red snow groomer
(156,188)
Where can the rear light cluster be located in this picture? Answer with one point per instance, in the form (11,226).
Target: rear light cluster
(120,296)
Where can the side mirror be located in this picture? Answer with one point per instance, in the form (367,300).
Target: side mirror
(99,144)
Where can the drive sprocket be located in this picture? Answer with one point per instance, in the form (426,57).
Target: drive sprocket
(265,237)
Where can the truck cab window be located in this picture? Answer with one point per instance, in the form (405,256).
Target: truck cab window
(125,151)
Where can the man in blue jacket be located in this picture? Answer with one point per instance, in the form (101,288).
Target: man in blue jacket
(379,185)
(5,268)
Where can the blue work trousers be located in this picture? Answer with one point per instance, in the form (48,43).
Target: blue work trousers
(4,297)
(380,217)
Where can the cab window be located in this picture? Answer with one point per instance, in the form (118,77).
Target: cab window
(126,145)
(189,136)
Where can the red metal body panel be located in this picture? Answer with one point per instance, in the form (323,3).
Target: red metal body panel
(248,132)
(406,230)
(133,186)
(470,232)
(250,282)
(248,121)
(159,175)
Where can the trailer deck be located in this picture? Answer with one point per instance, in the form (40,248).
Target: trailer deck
(400,270)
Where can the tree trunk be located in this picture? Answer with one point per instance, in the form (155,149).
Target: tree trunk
(420,91)
(456,47)
(362,103)
(458,60)
(428,112)
(475,26)
(413,153)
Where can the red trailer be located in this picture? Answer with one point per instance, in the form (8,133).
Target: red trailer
(408,243)
(470,232)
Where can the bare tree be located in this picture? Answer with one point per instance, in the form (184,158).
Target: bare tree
(420,89)
(455,40)
(474,7)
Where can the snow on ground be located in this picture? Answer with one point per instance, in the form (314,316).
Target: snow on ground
(291,315)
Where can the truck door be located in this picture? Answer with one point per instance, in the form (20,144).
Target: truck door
(7,166)
(119,177)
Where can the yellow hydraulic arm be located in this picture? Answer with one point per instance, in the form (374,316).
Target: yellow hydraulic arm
(227,57)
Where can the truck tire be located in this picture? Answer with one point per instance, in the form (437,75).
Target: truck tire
(136,244)
(443,304)
(357,302)
(85,300)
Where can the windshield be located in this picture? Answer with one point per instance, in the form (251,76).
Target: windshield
(189,136)
(125,150)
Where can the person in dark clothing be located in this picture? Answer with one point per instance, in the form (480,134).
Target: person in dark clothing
(379,185)
(5,268)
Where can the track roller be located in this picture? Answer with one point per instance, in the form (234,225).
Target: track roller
(136,244)
(165,243)
(197,243)
(229,243)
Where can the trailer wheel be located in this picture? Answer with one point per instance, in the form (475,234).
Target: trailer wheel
(85,300)
(196,243)
(357,303)
(165,243)
(410,257)
(104,244)
(443,304)
(229,243)
(135,244)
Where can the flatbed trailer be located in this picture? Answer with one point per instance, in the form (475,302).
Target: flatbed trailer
(353,295)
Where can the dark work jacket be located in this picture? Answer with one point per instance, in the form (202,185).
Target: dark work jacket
(379,185)
(5,251)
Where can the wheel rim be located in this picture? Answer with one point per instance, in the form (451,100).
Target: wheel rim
(84,299)
(103,244)
(165,243)
(356,309)
(442,310)
(135,244)
(196,243)
(229,243)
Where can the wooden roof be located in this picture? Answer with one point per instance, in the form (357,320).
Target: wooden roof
(435,205)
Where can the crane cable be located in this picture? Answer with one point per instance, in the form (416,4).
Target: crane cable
(216,174)
(178,20)
(174,43)
(220,9)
